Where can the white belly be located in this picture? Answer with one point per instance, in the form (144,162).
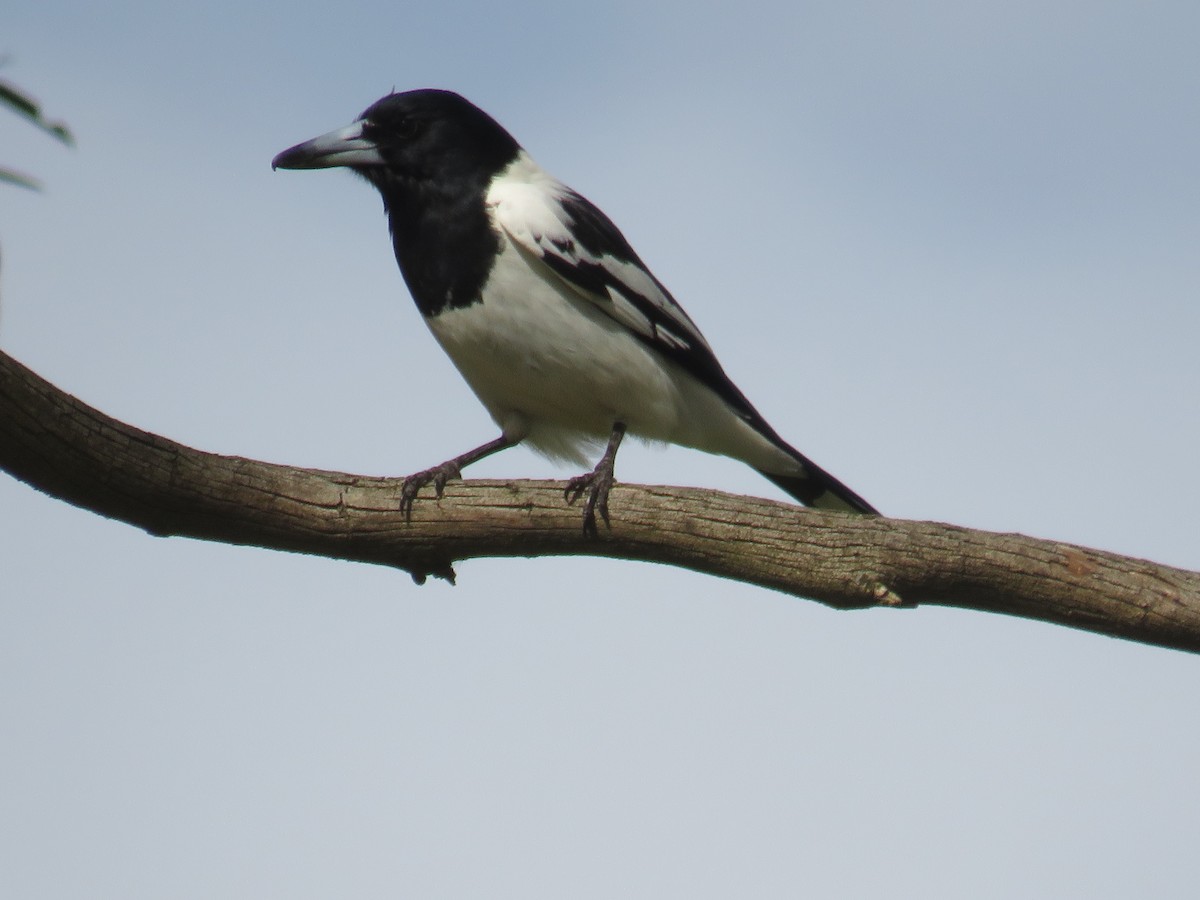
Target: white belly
(553,370)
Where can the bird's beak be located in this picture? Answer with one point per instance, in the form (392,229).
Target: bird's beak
(344,147)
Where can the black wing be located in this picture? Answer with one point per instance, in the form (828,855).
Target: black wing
(583,247)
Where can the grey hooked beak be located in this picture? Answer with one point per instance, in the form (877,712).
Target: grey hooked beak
(344,147)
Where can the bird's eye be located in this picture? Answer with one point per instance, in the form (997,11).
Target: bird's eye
(406,128)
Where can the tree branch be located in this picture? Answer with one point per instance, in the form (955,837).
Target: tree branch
(65,448)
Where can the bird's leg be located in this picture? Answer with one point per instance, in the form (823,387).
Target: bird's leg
(451,468)
(597,484)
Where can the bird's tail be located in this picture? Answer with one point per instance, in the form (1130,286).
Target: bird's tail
(819,489)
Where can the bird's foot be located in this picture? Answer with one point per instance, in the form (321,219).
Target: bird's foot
(438,476)
(596,484)
(451,468)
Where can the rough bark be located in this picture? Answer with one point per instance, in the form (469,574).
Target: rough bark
(65,448)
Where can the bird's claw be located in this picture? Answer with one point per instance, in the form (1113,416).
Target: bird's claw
(596,484)
(438,476)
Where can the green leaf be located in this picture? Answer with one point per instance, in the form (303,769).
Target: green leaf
(24,105)
(9,176)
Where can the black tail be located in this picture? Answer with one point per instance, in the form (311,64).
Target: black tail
(814,486)
(819,489)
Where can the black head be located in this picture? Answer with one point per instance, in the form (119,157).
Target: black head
(431,154)
(407,140)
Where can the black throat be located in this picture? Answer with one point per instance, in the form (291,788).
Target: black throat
(443,239)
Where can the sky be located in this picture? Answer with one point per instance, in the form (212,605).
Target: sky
(948,249)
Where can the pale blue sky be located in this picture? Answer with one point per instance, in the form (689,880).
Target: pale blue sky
(949,250)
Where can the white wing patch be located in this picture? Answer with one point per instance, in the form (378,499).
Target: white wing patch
(587,252)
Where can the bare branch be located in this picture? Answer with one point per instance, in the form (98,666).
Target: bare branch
(71,451)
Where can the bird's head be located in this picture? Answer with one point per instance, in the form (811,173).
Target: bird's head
(404,140)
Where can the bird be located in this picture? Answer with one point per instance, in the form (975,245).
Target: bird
(562,332)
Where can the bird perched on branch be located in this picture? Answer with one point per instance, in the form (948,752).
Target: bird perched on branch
(558,327)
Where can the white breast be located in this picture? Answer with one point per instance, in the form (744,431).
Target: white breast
(556,372)
(550,368)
